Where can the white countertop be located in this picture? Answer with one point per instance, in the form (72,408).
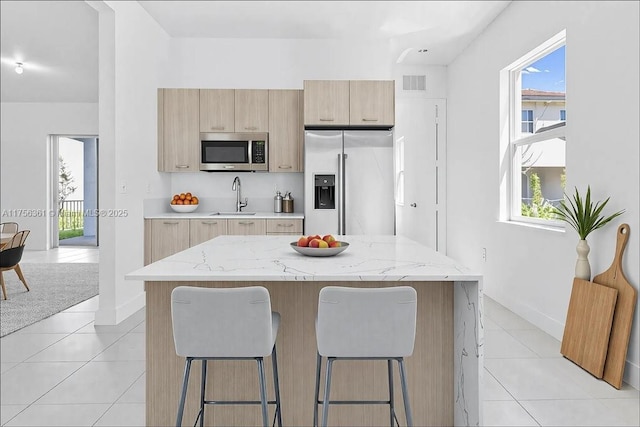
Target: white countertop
(207,215)
(270,258)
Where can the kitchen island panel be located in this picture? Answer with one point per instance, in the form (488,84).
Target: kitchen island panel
(430,369)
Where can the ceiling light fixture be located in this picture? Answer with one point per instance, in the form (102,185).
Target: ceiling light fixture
(423,50)
(19,68)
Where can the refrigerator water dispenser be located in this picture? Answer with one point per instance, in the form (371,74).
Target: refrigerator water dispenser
(325,192)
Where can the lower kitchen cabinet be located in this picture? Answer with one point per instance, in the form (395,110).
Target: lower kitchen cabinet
(201,230)
(284,226)
(247,227)
(164,237)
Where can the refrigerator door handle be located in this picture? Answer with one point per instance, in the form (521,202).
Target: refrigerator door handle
(341,196)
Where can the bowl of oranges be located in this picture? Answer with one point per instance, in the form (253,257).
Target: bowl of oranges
(184,202)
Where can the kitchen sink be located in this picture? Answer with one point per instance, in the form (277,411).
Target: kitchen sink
(233,213)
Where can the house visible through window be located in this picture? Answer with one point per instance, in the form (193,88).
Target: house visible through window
(537,132)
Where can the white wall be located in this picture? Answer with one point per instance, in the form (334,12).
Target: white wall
(530,270)
(133,58)
(26,166)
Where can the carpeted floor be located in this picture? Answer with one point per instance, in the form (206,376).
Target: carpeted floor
(54,288)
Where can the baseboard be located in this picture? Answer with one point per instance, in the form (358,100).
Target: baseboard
(632,375)
(114,316)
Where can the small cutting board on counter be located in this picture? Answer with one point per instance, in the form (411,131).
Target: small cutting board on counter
(614,278)
(588,326)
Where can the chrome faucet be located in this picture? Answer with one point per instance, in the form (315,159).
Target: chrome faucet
(236,187)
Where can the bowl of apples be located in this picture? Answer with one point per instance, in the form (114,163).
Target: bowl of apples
(184,203)
(315,245)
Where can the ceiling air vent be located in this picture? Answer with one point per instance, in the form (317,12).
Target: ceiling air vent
(414,82)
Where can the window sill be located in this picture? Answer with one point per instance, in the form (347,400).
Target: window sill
(552,228)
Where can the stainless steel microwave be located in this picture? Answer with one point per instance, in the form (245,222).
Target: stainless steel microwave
(234,152)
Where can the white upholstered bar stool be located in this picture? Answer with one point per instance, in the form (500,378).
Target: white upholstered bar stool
(225,324)
(365,324)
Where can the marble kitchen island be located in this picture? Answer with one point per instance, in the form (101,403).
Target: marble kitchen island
(444,372)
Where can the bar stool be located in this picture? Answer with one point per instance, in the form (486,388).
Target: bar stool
(365,324)
(225,324)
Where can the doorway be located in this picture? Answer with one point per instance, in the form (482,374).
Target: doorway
(74,190)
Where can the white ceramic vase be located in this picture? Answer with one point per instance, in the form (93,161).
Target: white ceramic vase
(583,269)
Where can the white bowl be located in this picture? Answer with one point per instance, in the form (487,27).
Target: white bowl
(184,208)
(319,251)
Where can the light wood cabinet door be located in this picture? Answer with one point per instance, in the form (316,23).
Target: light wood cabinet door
(246,227)
(201,230)
(217,110)
(179,142)
(284,226)
(286,131)
(326,102)
(371,102)
(251,110)
(166,237)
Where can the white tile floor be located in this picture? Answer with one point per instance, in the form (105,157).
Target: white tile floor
(64,371)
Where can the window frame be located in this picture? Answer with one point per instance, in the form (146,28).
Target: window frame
(516,140)
(530,123)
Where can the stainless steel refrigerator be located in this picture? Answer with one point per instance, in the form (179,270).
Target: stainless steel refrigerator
(349,182)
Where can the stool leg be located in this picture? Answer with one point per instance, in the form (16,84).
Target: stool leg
(392,411)
(405,393)
(317,395)
(327,390)
(203,385)
(183,394)
(263,392)
(276,385)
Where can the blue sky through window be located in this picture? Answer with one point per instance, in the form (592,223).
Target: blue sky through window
(547,73)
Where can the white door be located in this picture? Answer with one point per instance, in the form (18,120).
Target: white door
(420,127)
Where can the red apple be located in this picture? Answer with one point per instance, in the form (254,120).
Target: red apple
(315,236)
(329,238)
(314,243)
(334,244)
(303,241)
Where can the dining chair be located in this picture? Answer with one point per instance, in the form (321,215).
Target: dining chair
(225,324)
(10,256)
(9,227)
(365,324)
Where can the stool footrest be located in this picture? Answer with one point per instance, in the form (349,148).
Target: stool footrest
(357,402)
(238,402)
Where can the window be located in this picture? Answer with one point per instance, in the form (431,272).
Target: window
(537,125)
(527,121)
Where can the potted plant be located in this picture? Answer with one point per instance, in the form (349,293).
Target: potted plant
(584,217)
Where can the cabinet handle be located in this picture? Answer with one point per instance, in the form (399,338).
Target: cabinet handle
(325,120)
(369,120)
(285,225)
(250,127)
(246,223)
(210,222)
(284,167)
(170,222)
(182,166)
(217,127)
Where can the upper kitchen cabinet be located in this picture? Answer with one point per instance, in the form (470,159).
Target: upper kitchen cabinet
(371,102)
(178,130)
(217,110)
(326,102)
(286,131)
(251,110)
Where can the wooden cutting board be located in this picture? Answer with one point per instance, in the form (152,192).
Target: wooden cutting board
(588,326)
(623,314)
